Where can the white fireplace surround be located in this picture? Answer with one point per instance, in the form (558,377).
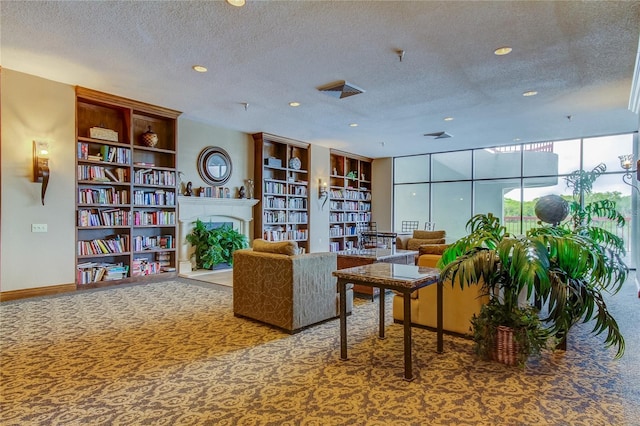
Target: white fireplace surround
(235,210)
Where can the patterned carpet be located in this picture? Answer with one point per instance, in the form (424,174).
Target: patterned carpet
(172,353)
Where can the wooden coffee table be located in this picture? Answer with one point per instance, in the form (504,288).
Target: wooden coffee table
(358,257)
(402,278)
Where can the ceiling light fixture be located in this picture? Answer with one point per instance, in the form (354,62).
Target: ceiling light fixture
(353,125)
(530,93)
(199,68)
(294,104)
(501,51)
(448,119)
(237,3)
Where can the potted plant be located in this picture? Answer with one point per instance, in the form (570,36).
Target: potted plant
(565,270)
(215,246)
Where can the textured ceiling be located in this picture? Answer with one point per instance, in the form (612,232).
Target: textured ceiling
(579,56)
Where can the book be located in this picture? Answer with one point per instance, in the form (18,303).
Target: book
(111,176)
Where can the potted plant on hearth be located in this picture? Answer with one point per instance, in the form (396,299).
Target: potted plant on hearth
(215,246)
(549,263)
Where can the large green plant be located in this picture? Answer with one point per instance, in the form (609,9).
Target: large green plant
(215,246)
(568,271)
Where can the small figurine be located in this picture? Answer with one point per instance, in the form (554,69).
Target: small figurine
(227,193)
(189,191)
(241,193)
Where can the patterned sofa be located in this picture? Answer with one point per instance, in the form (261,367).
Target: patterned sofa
(459,305)
(274,285)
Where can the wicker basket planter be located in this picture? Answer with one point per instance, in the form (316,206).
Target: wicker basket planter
(506,349)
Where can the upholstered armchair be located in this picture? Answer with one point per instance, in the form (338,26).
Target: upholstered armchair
(274,285)
(459,305)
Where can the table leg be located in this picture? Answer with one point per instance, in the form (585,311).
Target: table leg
(408,370)
(342,288)
(439,308)
(381,315)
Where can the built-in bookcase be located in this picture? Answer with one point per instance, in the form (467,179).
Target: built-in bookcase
(282,184)
(349,198)
(126,190)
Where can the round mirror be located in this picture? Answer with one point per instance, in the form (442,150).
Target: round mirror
(214,165)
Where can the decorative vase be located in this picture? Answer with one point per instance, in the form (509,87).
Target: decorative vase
(295,163)
(149,138)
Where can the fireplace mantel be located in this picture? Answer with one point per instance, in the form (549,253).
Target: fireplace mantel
(239,211)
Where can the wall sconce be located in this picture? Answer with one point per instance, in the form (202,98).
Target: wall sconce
(626,162)
(323,193)
(41,165)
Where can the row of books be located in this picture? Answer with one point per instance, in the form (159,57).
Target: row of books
(90,272)
(141,218)
(155,177)
(142,243)
(350,195)
(102,174)
(106,153)
(103,196)
(283,235)
(282,217)
(113,244)
(143,266)
(155,198)
(97,217)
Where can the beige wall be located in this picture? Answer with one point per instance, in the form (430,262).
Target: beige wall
(382,193)
(34,108)
(193,136)
(318,216)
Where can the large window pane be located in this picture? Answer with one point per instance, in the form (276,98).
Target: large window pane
(411,202)
(612,187)
(451,207)
(500,197)
(551,158)
(451,166)
(411,169)
(496,163)
(606,150)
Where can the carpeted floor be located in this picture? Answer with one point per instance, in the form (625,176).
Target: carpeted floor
(172,353)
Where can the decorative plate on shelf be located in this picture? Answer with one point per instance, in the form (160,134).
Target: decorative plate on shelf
(295,163)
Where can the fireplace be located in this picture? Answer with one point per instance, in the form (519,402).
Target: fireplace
(235,212)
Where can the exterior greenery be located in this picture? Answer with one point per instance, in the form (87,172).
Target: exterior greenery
(566,268)
(215,246)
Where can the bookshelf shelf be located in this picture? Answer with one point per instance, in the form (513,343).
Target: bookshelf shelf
(110,175)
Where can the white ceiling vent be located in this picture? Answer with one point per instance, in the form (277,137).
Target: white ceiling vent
(438,135)
(341,89)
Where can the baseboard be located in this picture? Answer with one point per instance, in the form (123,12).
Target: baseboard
(6,296)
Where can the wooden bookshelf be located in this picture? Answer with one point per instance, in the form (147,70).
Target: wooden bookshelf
(125,190)
(349,198)
(282,186)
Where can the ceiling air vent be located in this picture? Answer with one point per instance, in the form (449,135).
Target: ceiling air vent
(341,89)
(438,135)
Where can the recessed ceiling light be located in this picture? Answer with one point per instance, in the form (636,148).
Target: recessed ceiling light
(516,139)
(530,93)
(501,51)
(199,68)
(448,119)
(294,104)
(353,125)
(237,3)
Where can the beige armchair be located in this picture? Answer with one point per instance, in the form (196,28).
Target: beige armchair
(287,291)
(459,305)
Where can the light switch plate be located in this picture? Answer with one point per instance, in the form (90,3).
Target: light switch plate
(38,227)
